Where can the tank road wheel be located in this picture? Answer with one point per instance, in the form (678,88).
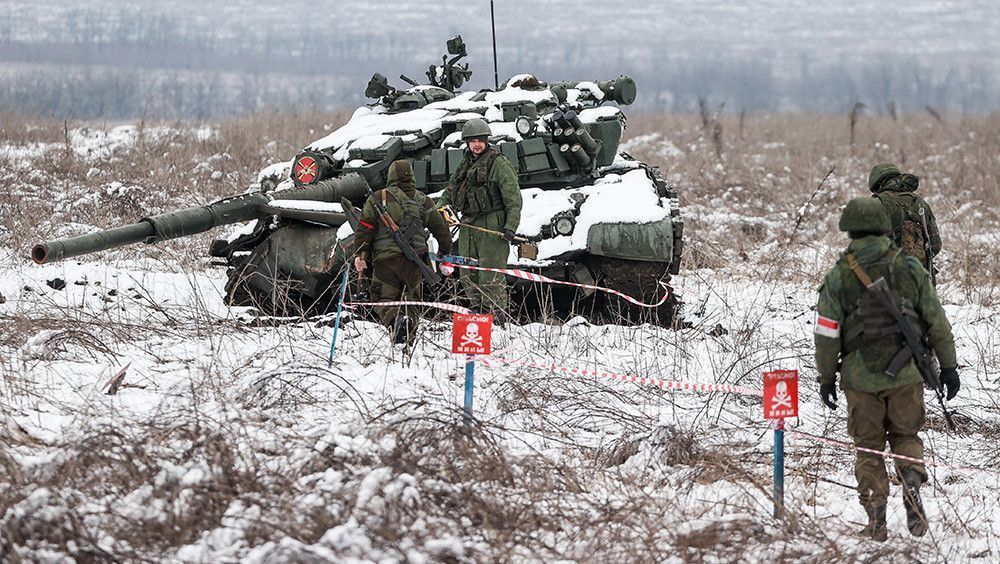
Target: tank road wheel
(638,279)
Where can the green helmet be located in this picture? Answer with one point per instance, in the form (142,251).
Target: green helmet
(476,127)
(865,215)
(880,173)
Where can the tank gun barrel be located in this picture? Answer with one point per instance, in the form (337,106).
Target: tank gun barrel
(191,221)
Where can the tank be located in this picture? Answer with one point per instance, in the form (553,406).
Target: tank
(593,214)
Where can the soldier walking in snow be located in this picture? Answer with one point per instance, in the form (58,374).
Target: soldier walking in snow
(914,228)
(856,336)
(396,277)
(485,191)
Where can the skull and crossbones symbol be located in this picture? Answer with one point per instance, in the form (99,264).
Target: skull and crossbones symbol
(472,336)
(781,397)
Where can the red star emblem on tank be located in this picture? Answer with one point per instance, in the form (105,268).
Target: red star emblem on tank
(305,170)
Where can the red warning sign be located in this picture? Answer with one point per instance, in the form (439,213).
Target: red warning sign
(781,394)
(470,333)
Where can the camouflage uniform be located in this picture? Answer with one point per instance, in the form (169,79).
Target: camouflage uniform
(856,337)
(486,192)
(395,277)
(896,192)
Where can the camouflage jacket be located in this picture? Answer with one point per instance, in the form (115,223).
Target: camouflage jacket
(484,187)
(903,207)
(404,204)
(852,333)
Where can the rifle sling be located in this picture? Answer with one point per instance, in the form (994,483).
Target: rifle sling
(858,271)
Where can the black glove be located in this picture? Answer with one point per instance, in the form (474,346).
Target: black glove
(829,394)
(949,379)
(509,235)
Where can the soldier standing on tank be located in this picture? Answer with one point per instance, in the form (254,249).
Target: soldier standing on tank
(485,191)
(856,337)
(896,191)
(394,276)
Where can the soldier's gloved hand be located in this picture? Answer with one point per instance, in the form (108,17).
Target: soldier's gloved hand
(949,380)
(829,394)
(509,235)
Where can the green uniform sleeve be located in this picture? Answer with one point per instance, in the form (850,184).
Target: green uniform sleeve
(939,335)
(445,198)
(438,228)
(367,224)
(828,348)
(504,175)
(932,230)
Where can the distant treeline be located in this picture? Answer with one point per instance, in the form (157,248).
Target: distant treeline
(151,66)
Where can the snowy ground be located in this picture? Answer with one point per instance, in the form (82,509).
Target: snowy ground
(230,438)
(239,434)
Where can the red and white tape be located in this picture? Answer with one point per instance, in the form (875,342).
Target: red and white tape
(665,384)
(437,305)
(884,454)
(533,277)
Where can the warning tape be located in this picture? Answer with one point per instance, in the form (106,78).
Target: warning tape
(437,305)
(884,454)
(665,384)
(525,275)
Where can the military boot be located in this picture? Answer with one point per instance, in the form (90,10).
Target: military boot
(876,528)
(916,519)
(402,328)
(499,317)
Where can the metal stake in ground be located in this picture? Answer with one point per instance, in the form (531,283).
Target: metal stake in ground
(781,400)
(336,323)
(470,384)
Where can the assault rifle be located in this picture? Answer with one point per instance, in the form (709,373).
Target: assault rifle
(928,255)
(915,347)
(402,238)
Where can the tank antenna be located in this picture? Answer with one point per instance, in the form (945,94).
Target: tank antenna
(496,73)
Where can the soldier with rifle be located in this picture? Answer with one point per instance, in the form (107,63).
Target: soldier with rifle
(878,320)
(392,235)
(914,228)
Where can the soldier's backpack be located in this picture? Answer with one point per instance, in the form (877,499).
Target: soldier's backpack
(904,213)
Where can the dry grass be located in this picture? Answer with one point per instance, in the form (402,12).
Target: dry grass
(748,195)
(544,494)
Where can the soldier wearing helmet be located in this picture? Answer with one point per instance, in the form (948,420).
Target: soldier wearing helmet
(856,337)
(896,191)
(485,191)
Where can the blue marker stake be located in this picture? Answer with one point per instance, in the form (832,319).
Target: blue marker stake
(336,324)
(779,467)
(470,380)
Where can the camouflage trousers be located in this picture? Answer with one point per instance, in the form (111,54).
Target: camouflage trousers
(396,278)
(895,416)
(485,290)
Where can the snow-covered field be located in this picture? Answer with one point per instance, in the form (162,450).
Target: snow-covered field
(231,439)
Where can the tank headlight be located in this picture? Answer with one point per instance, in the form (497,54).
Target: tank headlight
(563,225)
(524,126)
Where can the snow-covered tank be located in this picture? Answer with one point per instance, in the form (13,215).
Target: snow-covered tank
(595,214)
